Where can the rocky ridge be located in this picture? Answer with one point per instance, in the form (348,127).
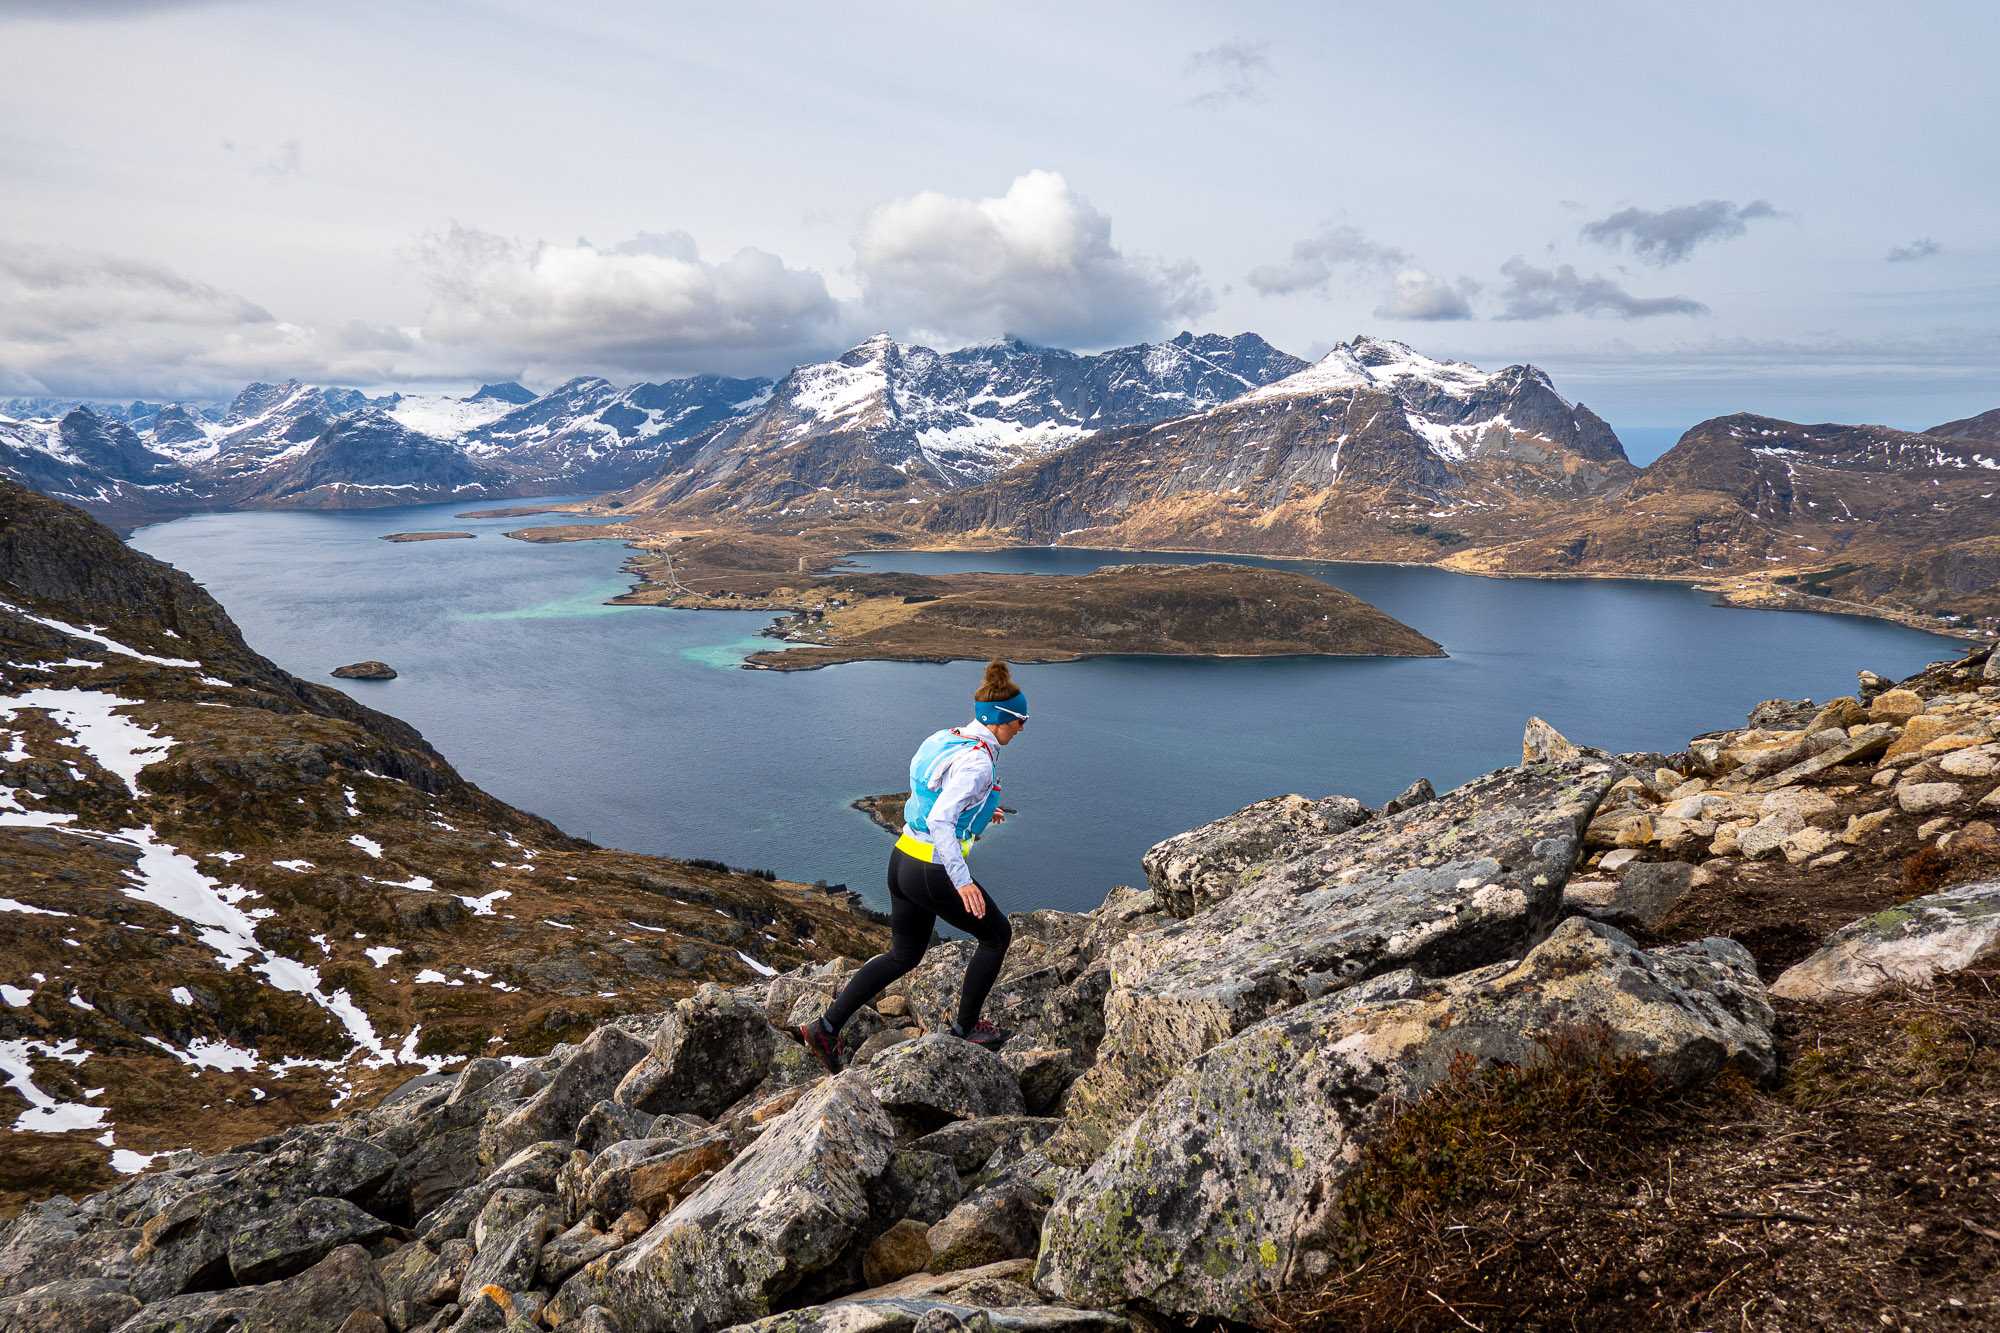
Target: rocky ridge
(234,900)
(1200,1070)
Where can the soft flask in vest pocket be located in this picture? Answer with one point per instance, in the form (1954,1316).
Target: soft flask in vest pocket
(927,776)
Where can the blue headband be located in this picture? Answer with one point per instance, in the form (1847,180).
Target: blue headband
(995,712)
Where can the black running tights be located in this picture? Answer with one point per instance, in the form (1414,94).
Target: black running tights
(919,893)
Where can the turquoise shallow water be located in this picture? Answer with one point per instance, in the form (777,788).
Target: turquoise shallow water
(632,725)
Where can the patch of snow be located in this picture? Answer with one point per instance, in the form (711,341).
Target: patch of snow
(89,634)
(368,845)
(760,968)
(45,1115)
(381,954)
(118,744)
(297,867)
(484,906)
(181,995)
(9,905)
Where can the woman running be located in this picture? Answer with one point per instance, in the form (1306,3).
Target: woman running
(953,796)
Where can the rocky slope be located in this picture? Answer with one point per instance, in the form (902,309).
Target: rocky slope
(1857,513)
(233,900)
(887,421)
(1226,1088)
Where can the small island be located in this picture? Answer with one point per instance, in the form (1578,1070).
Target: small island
(368,670)
(512,511)
(425,536)
(886,811)
(829,613)
(1206,610)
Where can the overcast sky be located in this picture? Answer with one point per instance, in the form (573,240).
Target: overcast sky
(1677,210)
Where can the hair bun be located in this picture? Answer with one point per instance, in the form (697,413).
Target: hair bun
(998,683)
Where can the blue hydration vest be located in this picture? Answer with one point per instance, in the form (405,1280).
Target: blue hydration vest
(927,778)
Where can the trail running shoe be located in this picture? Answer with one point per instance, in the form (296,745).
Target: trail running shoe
(984,1034)
(822,1043)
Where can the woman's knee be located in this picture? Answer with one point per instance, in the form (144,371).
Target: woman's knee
(995,932)
(906,954)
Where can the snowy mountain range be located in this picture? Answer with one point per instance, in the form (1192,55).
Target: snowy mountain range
(882,416)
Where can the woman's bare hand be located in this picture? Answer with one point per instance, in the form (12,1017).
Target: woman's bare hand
(974,900)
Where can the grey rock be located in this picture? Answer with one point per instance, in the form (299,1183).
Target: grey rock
(1543,744)
(1044,1076)
(970,1144)
(788,1206)
(916,1184)
(510,1245)
(711,1049)
(1868,743)
(1925,798)
(1641,897)
(940,1075)
(536,1167)
(1471,877)
(611,1122)
(588,1076)
(1232,1179)
(1907,944)
(1205,865)
(998,1221)
(564,1254)
(909,1314)
(71,1305)
(298,1238)
(318,1300)
(1410,797)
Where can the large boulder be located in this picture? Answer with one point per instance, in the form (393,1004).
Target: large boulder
(77,1305)
(711,1049)
(1474,876)
(1903,945)
(1233,1177)
(1205,865)
(941,1077)
(788,1206)
(299,1237)
(588,1076)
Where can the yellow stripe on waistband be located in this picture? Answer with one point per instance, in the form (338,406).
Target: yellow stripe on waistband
(910,845)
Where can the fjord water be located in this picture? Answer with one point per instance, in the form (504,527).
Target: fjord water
(634,727)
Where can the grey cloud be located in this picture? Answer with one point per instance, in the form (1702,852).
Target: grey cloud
(1314,261)
(1670,235)
(1921,248)
(1037,261)
(1542,293)
(1231,71)
(1423,296)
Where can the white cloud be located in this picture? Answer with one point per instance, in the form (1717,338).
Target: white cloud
(640,306)
(1424,296)
(1037,262)
(1315,260)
